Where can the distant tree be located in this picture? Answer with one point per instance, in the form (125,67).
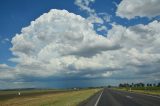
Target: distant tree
(126,85)
(158,84)
(135,85)
(132,84)
(154,84)
(148,84)
(109,86)
(121,85)
(141,85)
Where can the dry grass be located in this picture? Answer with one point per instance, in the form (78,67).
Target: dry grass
(70,98)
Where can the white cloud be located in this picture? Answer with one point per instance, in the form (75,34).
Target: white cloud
(59,43)
(3,66)
(143,8)
(107,74)
(106,17)
(102,28)
(7,72)
(95,19)
(139,47)
(62,44)
(84,5)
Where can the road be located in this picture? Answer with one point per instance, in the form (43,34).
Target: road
(109,97)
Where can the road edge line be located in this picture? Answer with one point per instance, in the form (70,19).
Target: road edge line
(98,99)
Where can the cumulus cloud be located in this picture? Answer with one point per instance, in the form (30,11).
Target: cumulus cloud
(142,8)
(7,72)
(63,44)
(139,47)
(60,43)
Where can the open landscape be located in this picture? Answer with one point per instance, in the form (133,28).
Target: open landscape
(79,52)
(45,97)
(144,90)
(111,95)
(151,89)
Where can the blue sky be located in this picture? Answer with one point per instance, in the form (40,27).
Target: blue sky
(115,31)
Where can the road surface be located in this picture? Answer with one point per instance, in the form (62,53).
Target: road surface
(109,97)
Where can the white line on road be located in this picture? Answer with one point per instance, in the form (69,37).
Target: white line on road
(98,99)
(129,97)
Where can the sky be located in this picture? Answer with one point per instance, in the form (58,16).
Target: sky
(78,43)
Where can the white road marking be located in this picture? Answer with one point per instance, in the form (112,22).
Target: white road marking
(98,99)
(129,97)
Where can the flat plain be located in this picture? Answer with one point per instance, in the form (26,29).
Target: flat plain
(45,97)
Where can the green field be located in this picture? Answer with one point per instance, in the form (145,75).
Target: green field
(145,90)
(45,97)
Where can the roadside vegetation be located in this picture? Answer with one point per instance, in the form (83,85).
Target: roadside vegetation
(46,97)
(153,89)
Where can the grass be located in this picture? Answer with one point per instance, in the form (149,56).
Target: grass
(9,94)
(145,90)
(4,92)
(68,98)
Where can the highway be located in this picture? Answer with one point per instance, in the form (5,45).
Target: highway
(109,97)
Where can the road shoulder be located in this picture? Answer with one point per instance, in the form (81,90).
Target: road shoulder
(91,101)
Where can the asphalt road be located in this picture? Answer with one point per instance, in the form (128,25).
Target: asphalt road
(109,97)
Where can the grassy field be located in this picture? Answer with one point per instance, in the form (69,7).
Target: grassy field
(145,90)
(46,98)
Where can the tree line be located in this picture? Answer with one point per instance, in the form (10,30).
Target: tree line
(139,85)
